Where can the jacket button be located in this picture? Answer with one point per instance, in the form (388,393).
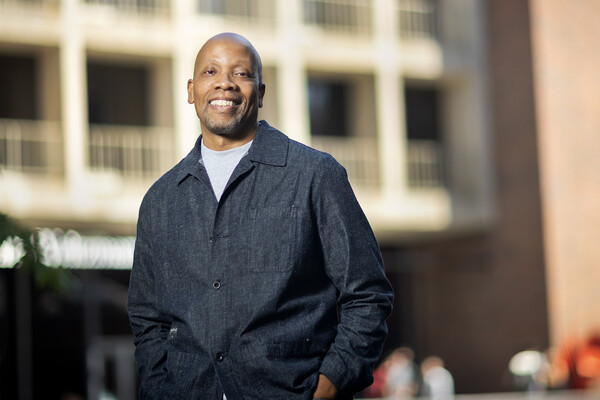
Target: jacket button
(220,357)
(216,285)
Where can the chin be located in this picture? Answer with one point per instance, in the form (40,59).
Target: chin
(226,128)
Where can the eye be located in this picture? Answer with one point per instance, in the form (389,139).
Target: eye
(244,73)
(209,72)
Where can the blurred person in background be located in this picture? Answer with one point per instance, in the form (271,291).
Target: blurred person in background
(575,363)
(377,387)
(256,274)
(401,374)
(530,370)
(437,380)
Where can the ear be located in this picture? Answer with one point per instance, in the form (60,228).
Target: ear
(261,93)
(190,90)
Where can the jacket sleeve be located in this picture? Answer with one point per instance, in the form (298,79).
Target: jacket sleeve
(354,264)
(149,330)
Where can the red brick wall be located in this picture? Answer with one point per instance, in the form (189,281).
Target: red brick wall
(566,48)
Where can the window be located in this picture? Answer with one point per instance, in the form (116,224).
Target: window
(117,95)
(328,108)
(422,113)
(17,80)
(423,129)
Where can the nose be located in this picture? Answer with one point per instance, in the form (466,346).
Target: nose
(224,82)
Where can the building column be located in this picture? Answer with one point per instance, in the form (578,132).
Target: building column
(73,88)
(185,48)
(161,106)
(291,73)
(389,99)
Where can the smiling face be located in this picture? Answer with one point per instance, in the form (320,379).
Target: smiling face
(227,89)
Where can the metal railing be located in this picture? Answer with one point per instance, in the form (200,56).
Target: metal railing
(418,18)
(358,155)
(141,153)
(28,6)
(343,16)
(143,8)
(252,11)
(425,167)
(31,146)
(425,164)
(131,151)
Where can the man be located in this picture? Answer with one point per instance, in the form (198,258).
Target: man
(256,274)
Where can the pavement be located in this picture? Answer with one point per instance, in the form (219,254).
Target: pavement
(541,395)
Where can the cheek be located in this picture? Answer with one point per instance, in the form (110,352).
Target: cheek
(254,98)
(198,95)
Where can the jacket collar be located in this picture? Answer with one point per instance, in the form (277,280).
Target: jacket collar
(269,146)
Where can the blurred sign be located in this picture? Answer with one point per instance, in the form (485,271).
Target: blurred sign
(70,249)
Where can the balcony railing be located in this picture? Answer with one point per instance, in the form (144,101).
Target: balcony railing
(132,152)
(251,11)
(358,155)
(141,8)
(418,18)
(29,6)
(146,152)
(31,146)
(343,16)
(425,164)
(360,158)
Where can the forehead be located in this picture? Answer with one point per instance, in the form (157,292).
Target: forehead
(225,51)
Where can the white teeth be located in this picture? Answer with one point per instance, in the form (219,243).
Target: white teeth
(221,103)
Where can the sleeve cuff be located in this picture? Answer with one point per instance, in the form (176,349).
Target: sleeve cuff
(334,368)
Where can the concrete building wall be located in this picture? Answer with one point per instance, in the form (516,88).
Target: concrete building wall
(481,298)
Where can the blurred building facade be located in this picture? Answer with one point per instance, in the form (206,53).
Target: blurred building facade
(451,118)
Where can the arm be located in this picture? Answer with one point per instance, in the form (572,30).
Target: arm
(353,263)
(149,330)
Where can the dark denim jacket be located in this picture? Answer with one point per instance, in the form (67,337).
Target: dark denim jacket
(258,293)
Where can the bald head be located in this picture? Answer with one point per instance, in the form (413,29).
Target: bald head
(230,37)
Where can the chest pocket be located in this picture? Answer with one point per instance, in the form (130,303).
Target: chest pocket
(273,238)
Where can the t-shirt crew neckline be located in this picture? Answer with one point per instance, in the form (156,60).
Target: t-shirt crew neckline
(220,164)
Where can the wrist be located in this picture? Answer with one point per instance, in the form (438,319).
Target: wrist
(325,389)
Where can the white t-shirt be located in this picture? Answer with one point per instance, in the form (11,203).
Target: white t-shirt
(220,165)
